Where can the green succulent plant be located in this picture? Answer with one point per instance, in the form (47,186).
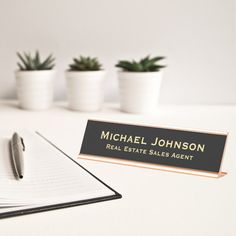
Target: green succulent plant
(146,64)
(85,64)
(29,62)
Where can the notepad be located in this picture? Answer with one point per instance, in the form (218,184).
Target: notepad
(51,180)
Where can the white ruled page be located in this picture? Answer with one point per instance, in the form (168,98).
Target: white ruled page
(50,177)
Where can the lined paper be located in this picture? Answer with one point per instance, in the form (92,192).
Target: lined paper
(50,177)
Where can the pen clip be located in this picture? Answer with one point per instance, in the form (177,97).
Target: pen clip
(22,141)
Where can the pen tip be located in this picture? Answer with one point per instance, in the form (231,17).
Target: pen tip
(21,176)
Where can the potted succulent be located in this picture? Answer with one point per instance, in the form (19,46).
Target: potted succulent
(34,81)
(85,84)
(140,83)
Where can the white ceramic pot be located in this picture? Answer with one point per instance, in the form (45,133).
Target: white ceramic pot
(85,90)
(139,91)
(35,89)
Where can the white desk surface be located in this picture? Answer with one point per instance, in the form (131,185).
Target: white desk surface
(154,202)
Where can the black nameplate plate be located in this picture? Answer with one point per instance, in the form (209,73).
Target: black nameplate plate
(166,147)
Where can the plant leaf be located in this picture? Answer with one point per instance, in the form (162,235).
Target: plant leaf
(23,60)
(20,66)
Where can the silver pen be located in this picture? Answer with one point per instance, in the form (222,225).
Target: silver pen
(17,150)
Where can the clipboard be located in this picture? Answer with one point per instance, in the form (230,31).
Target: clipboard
(114,195)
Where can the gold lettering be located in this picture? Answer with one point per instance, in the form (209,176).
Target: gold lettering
(137,139)
(192,146)
(116,137)
(105,135)
(177,144)
(155,142)
(143,142)
(201,147)
(161,142)
(169,143)
(123,137)
(129,140)
(185,146)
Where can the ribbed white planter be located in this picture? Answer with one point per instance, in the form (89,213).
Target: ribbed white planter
(85,90)
(35,89)
(139,91)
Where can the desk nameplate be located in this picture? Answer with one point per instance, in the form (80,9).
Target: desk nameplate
(160,148)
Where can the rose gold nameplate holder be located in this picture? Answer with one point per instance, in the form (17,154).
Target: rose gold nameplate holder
(183,170)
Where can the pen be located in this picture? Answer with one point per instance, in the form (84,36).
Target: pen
(17,149)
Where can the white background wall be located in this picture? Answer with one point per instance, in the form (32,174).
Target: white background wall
(197,36)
